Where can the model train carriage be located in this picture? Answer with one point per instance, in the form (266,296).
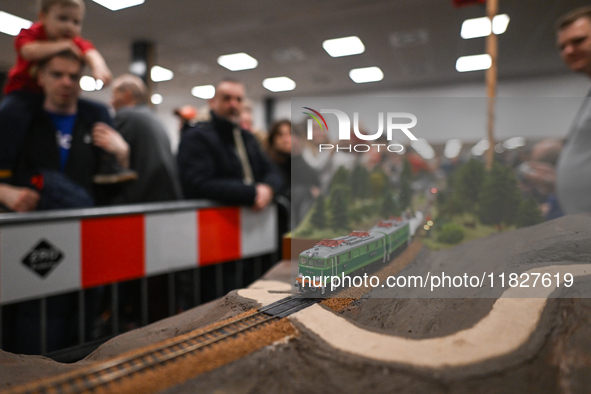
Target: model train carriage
(396,232)
(335,257)
(344,255)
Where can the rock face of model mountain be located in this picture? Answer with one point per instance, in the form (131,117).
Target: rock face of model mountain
(555,359)
(561,242)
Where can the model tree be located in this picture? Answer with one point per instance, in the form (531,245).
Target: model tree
(340,178)
(339,208)
(451,233)
(528,213)
(500,196)
(468,185)
(360,182)
(405,195)
(318,218)
(379,184)
(389,206)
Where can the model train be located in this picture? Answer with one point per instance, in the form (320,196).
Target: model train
(347,254)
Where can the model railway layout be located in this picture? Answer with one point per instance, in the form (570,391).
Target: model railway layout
(101,375)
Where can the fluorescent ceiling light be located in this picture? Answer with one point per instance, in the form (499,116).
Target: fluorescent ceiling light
(238,61)
(138,67)
(345,46)
(279,84)
(477,27)
(204,92)
(480,148)
(88,84)
(367,74)
(473,63)
(452,148)
(500,23)
(481,27)
(12,25)
(157,99)
(514,143)
(161,74)
(116,5)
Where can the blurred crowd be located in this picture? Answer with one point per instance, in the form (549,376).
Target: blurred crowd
(61,151)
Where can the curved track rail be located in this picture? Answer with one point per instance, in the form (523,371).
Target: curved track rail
(100,375)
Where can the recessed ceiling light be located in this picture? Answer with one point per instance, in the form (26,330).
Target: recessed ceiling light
(480,147)
(345,46)
(514,143)
(12,25)
(161,74)
(138,67)
(116,5)
(204,92)
(477,27)
(367,74)
(88,84)
(157,99)
(238,61)
(500,23)
(481,27)
(473,63)
(452,148)
(279,84)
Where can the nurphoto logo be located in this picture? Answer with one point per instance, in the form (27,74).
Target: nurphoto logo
(344,133)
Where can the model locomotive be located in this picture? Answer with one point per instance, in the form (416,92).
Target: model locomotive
(347,254)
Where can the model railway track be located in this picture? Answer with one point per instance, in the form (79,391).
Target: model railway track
(104,373)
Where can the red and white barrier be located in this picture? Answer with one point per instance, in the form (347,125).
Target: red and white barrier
(42,259)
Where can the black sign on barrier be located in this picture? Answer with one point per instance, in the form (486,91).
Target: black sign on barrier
(43,258)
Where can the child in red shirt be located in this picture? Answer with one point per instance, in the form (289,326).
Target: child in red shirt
(57,30)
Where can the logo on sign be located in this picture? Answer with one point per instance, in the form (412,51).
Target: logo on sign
(43,258)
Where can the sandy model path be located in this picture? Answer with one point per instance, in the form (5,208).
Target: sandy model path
(508,326)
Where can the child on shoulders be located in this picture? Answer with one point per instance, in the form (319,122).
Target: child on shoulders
(57,29)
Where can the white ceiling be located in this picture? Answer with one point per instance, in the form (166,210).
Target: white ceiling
(414,42)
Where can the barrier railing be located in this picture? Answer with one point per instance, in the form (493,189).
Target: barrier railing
(98,264)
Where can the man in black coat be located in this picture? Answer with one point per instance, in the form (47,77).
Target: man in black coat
(219,161)
(65,146)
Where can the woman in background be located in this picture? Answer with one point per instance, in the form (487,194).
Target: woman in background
(301,183)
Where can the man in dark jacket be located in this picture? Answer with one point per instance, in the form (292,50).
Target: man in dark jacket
(219,161)
(65,146)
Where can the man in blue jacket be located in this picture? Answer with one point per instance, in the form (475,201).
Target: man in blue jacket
(219,161)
